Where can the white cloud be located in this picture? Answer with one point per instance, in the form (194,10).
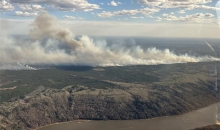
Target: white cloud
(137,17)
(105,14)
(194,18)
(6,6)
(182,4)
(25,14)
(72,17)
(150,2)
(144,11)
(37,7)
(113,3)
(63,5)
(182,12)
(69,17)
(206,7)
(159,19)
(30,8)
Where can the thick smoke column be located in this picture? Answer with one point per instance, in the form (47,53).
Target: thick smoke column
(46,25)
(50,48)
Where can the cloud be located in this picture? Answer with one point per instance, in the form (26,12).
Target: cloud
(63,5)
(6,6)
(137,17)
(113,3)
(159,19)
(69,17)
(206,7)
(25,14)
(218,12)
(30,8)
(105,14)
(195,18)
(151,2)
(182,4)
(182,12)
(144,11)
(72,17)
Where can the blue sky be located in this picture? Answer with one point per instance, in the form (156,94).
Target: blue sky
(9,8)
(127,11)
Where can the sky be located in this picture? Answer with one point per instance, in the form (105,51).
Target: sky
(150,18)
(51,26)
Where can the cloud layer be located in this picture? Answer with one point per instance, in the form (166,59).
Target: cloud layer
(113,3)
(144,11)
(6,6)
(30,8)
(194,18)
(25,14)
(64,5)
(130,11)
(183,4)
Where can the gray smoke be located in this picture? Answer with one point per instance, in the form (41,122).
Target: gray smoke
(46,25)
(84,51)
(17,66)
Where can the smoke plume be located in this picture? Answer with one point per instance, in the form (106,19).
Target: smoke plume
(85,51)
(17,66)
(46,25)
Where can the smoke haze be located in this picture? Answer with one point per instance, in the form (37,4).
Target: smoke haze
(53,44)
(46,25)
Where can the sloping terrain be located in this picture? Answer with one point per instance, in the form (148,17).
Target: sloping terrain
(103,93)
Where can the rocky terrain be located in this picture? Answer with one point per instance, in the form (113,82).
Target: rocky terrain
(114,98)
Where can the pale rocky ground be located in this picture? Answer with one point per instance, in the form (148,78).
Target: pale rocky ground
(111,93)
(129,101)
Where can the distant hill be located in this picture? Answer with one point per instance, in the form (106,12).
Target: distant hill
(67,93)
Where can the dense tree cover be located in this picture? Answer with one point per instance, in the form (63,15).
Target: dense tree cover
(97,77)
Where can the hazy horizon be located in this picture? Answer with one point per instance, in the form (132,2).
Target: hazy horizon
(59,31)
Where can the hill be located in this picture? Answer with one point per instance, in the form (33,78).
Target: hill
(66,93)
